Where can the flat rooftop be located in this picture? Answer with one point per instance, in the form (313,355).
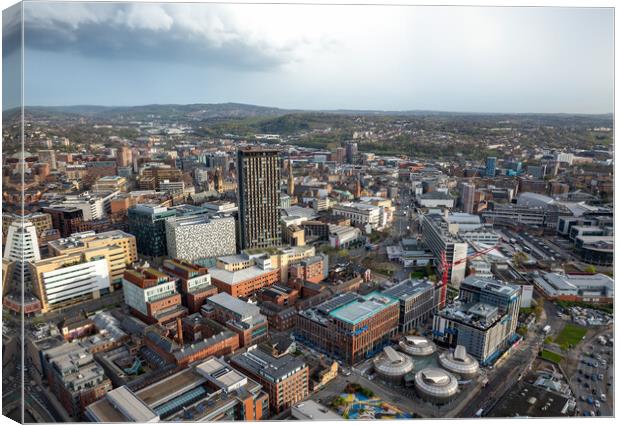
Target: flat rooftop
(267,366)
(234,278)
(363,307)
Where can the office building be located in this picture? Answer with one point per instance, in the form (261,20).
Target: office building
(124,156)
(93,206)
(208,391)
(484,319)
(491,166)
(360,214)
(467,197)
(239,316)
(312,269)
(417,302)
(596,289)
(349,326)
(147,224)
(71,278)
(152,295)
(110,184)
(66,219)
(259,198)
(442,236)
(195,282)
(79,242)
(74,378)
(247,281)
(351,152)
(285,378)
(201,236)
(22,247)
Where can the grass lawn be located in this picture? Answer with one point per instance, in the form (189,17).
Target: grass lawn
(571,335)
(551,356)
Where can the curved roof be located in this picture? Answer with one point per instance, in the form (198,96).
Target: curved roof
(391,363)
(458,361)
(436,383)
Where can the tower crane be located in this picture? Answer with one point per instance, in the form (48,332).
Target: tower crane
(445,267)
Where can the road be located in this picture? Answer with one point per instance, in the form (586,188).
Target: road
(504,376)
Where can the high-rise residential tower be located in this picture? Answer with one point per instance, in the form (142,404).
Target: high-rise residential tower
(468,191)
(259,197)
(491,166)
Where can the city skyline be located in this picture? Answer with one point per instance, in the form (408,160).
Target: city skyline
(492,60)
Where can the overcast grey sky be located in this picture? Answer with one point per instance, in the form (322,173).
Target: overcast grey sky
(321,57)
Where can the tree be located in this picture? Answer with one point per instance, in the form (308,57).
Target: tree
(519,258)
(590,269)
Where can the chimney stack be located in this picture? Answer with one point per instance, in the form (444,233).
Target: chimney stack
(179,331)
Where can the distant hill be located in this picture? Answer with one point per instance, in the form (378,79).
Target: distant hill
(277,120)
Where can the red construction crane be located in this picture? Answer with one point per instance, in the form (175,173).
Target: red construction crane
(445,267)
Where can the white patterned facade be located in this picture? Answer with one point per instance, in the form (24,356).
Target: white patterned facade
(198,237)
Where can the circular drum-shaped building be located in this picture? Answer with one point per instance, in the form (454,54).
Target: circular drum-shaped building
(436,385)
(459,362)
(417,346)
(392,366)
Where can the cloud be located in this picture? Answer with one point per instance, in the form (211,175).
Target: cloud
(201,34)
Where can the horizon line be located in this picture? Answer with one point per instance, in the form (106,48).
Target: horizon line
(336,110)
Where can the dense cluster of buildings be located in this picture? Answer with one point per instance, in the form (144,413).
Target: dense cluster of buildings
(211,263)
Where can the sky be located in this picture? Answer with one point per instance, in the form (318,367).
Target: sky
(468,59)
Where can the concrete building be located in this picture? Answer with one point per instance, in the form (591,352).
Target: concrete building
(596,288)
(71,278)
(349,326)
(22,247)
(360,214)
(441,236)
(152,296)
(241,317)
(80,242)
(417,300)
(310,410)
(468,191)
(435,200)
(286,378)
(200,236)
(94,206)
(484,320)
(209,391)
(74,377)
(259,198)
(110,184)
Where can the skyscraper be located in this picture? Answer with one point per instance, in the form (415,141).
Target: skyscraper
(467,197)
(124,156)
(22,246)
(351,152)
(491,164)
(259,197)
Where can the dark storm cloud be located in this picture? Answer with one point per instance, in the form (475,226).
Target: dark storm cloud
(153,32)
